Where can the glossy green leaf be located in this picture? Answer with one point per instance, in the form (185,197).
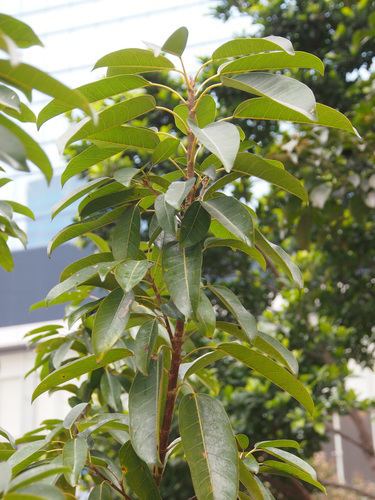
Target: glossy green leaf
(39,491)
(248,164)
(29,78)
(109,196)
(110,320)
(235,307)
(236,245)
(144,344)
(273,60)
(128,274)
(182,269)
(245,46)
(233,215)
(20,209)
(144,409)
(77,368)
(213,462)
(206,317)
(111,389)
(130,61)
(252,483)
(280,468)
(112,116)
(279,257)
(194,225)
(87,261)
(74,415)
(137,474)
(86,159)
(94,91)
(101,492)
(188,369)
(182,112)
(206,111)
(78,193)
(166,215)
(176,43)
(290,458)
(272,371)
(9,98)
(281,89)
(35,474)
(280,443)
(80,228)
(271,346)
(74,458)
(19,32)
(177,192)
(126,234)
(31,148)
(125,175)
(220,138)
(262,108)
(6,259)
(165,149)
(126,137)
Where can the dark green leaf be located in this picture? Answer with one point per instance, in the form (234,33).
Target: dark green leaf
(165,215)
(126,234)
(165,149)
(144,344)
(194,225)
(206,317)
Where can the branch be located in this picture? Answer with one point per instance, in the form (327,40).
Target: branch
(348,487)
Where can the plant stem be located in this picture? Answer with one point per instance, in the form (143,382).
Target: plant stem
(177,342)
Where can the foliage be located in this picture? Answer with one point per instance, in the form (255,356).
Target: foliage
(145,340)
(17,148)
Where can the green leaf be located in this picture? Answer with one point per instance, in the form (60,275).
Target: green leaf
(5,476)
(5,434)
(282,469)
(9,98)
(94,91)
(78,193)
(220,138)
(126,235)
(285,456)
(125,175)
(276,350)
(80,228)
(73,415)
(273,60)
(74,458)
(165,149)
(39,491)
(279,257)
(236,245)
(35,474)
(12,150)
(33,151)
(245,46)
(206,317)
(128,274)
(110,117)
(233,215)
(272,371)
(144,344)
(280,443)
(234,306)
(137,474)
(206,111)
(86,159)
(182,112)
(187,369)
(126,137)
(111,389)
(176,43)
(101,492)
(182,269)
(261,108)
(20,209)
(19,32)
(280,89)
(177,192)
(194,225)
(144,412)
(29,78)
(165,215)
(129,61)
(252,483)
(89,260)
(78,367)
(110,320)
(25,114)
(213,462)
(248,164)
(6,259)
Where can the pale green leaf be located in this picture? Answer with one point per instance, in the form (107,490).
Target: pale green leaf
(126,137)
(166,215)
(9,98)
(206,111)
(19,32)
(144,344)
(74,458)
(245,46)
(128,274)
(177,192)
(74,415)
(176,42)
(129,61)
(282,469)
(165,149)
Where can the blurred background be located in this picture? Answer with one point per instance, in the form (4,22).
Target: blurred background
(330,324)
